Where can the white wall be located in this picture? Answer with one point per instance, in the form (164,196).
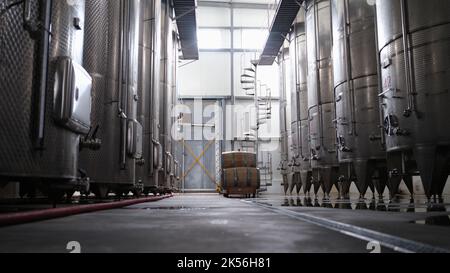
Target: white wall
(213,17)
(210,76)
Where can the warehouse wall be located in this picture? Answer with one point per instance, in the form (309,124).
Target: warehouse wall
(230,36)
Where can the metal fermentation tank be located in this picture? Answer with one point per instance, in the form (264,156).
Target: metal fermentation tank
(286,143)
(360,141)
(166,89)
(148,107)
(42,116)
(175,147)
(321,108)
(415,94)
(113,166)
(299,102)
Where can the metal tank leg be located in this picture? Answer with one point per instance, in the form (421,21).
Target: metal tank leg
(344,181)
(308,202)
(27,189)
(380,181)
(285,184)
(363,172)
(305,177)
(408,179)
(316,181)
(327,179)
(335,179)
(119,192)
(69,194)
(372,186)
(146,191)
(53,193)
(445,174)
(137,191)
(298,182)
(394,164)
(291,178)
(344,187)
(100,190)
(433,168)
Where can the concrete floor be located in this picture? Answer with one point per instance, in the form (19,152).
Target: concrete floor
(210,223)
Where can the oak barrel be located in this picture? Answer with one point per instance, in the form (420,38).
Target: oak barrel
(241,178)
(238,160)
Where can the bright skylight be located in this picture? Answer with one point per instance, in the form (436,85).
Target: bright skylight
(209,39)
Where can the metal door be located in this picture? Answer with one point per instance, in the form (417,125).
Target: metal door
(201,148)
(199,165)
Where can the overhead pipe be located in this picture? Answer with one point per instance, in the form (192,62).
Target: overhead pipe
(42,34)
(380,81)
(319,99)
(283,114)
(123,80)
(297,90)
(350,85)
(407,59)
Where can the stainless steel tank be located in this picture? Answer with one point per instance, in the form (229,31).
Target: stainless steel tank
(415,93)
(299,101)
(166,90)
(321,110)
(361,150)
(41,115)
(286,143)
(148,108)
(175,148)
(113,166)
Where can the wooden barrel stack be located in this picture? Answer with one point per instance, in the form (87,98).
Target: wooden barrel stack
(240,176)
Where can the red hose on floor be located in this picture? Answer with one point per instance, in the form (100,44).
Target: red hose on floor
(31,216)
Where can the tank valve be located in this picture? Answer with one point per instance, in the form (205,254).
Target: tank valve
(90,141)
(407,113)
(140,161)
(401,132)
(394,173)
(314,155)
(341,145)
(92,144)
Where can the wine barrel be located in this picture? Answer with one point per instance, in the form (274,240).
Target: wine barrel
(238,160)
(241,178)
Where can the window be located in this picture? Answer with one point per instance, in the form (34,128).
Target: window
(213,38)
(213,17)
(209,76)
(251,18)
(250,38)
